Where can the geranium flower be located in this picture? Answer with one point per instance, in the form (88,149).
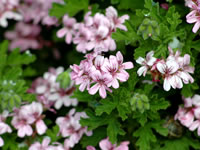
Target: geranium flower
(169,69)
(146,63)
(105,144)
(68,30)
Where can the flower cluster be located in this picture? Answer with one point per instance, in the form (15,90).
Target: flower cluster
(174,70)
(27,116)
(194,15)
(49,92)
(36,11)
(71,128)
(189,114)
(24,36)
(95,32)
(101,72)
(105,144)
(7,11)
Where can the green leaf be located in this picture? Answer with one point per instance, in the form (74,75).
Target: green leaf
(58,10)
(93,121)
(146,136)
(15,58)
(10,142)
(13,87)
(183,143)
(158,104)
(188,90)
(83,96)
(131,4)
(71,7)
(3,55)
(97,136)
(173,18)
(64,79)
(107,105)
(142,50)
(114,129)
(158,127)
(128,37)
(53,133)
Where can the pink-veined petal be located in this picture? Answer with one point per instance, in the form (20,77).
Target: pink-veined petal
(102,92)
(41,127)
(93,90)
(194,125)
(166,84)
(61,32)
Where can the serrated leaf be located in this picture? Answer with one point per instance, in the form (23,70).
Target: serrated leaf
(114,129)
(93,121)
(129,36)
(106,106)
(159,104)
(146,136)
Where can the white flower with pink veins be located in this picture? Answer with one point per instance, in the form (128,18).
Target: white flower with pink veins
(71,128)
(168,70)
(146,63)
(29,115)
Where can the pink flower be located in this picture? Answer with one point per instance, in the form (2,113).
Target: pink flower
(105,144)
(49,92)
(101,71)
(35,110)
(71,128)
(82,37)
(169,69)
(7,11)
(102,82)
(68,29)
(22,122)
(194,15)
(115,66)
(165,6)
(185,117)
(24,36)
(189,115)
(30,8)
(185,69)
(90,148)
(102,40)
(146,64)
(112,15)
(26,116)
(196,100)
(95,32)
(43,146)
(195,125)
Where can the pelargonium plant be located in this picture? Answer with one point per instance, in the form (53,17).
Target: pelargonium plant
(99,75)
